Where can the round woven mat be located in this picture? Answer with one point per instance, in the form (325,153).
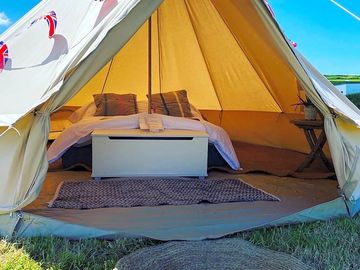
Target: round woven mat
(210,254)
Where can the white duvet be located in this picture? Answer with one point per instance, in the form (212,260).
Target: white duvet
(80,133)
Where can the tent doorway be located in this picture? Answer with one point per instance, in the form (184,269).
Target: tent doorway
(242,78)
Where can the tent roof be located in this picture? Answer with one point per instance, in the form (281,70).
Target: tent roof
(212,62)
(221,51)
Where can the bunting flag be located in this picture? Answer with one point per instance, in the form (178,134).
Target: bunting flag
(52,23)
(51,20)
(294,44)
(4,55)
(269,8)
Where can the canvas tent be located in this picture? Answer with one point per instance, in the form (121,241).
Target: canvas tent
(231,56)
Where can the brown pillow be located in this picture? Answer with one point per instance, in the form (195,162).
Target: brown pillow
(114,104)
(173,103)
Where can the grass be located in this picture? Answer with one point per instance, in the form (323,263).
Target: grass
(338,79)
(354,98)
(325,245)
(57,253)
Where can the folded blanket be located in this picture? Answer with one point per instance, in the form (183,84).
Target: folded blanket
(151,122)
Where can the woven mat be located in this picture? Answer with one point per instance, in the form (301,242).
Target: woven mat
(131,192)
(221,254)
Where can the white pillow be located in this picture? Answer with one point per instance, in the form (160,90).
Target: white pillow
(195,112)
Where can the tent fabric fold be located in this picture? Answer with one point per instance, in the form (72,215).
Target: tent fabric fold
(324,95)
(26,159)
(78,31)
(230,55)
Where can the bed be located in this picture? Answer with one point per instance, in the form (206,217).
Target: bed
(73,145)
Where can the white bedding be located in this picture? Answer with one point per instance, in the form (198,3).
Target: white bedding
(80,132)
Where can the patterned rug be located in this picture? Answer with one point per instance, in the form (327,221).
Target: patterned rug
(155,191)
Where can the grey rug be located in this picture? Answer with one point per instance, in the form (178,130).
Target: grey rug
(232,253)
(155,191)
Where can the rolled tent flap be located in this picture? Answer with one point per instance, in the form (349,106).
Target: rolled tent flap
(342,130)
(331,96)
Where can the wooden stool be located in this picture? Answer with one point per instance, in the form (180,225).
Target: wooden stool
(316,143)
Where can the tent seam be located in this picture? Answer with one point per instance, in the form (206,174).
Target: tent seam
(247,57)
(203,55)
(295,55)
(107,75)
(159,47)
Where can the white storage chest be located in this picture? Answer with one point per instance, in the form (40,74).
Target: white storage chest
(142,153)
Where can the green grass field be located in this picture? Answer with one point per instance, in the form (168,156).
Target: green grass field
(354,98)
(324,245)
(337,79)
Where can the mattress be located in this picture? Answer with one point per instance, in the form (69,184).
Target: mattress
(80,158)
(79,134)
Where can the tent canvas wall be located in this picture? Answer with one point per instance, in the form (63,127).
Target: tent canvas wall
(231,56)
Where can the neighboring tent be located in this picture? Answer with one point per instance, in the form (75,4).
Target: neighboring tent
(230,55)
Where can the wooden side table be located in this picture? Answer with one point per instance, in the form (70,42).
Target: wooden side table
(316,143)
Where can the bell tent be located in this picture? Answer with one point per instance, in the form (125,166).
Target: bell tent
(239,71)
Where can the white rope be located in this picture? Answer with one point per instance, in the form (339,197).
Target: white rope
(9,128)
(352,14)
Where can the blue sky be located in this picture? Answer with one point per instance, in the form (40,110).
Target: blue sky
(14,10)
(326,35)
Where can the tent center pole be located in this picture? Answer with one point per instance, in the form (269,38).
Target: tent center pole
(149,68)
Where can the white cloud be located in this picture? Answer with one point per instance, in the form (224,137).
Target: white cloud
(4,20)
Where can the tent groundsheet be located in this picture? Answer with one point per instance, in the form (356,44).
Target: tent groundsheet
(301,201)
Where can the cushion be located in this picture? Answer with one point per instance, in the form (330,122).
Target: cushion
(143,108)
(113,104)
(173,103)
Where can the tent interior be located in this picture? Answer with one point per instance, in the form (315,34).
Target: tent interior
(238,78)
